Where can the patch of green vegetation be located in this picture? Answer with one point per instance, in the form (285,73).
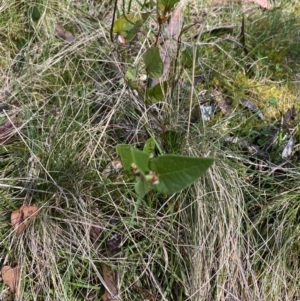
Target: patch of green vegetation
(71,105)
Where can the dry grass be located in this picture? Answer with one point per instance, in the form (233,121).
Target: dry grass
(232,236)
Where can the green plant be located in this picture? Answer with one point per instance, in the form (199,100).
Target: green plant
(167,173)
(74,92)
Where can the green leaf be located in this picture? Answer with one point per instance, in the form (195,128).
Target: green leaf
(178,172)
(20,43)
(130,155)
(166,5)
(129,25)
(141,187)
(131,75)
(187,59)
(158,92)
(149,147)
(34,13)
(273,101)
(153,63)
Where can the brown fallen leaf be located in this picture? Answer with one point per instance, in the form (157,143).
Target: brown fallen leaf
(63,34)
(111,283)
(289,116)
(96,235)
(112,246)
(11,277)
(6,132)
(21,217)
(221,101)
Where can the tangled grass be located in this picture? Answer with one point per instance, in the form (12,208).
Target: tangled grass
(231,236)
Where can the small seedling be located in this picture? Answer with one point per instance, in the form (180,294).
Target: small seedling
(166,174)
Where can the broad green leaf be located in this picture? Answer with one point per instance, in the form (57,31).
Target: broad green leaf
(158,92)
(178,172)
(153,63)
(149,147)
(187,57)
(141,187)
(130,155)
(129,25)
(34,13)
(166,5)
(20,43)
(131,75)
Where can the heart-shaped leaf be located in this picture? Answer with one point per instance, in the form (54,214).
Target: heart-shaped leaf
(178,172)
(153,62)
(21,217)
(128,26)
(187,57)
(110,278)
(11,277)
(133,158)
(158,92)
